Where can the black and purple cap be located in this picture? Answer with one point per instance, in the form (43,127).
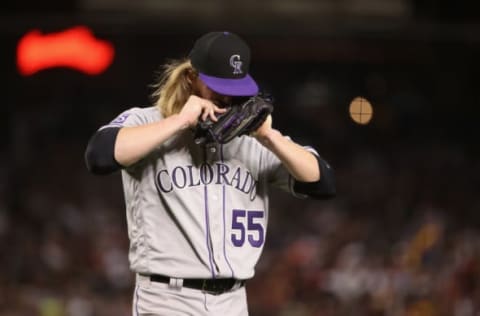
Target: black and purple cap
(223,60)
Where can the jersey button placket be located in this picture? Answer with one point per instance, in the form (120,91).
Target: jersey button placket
(218,244)
(217,237)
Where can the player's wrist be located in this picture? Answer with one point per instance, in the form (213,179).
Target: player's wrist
(267,137)
(181,120)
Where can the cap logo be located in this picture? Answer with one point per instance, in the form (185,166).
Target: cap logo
(236,63)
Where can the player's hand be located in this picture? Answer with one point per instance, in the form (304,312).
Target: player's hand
(265,133)
(198,108)
(264,129)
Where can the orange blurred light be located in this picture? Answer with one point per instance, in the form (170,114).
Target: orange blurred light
(361,110)
(75,48)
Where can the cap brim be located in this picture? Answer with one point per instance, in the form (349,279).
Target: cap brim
(245,86)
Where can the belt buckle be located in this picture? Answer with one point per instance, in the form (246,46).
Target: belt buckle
(204,286)
(214,290)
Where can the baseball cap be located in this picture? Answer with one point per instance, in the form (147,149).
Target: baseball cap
(223,61)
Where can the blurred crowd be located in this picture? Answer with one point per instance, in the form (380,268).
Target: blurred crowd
(403,243)
(402,237)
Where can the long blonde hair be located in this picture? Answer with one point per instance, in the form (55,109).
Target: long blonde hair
(174,86)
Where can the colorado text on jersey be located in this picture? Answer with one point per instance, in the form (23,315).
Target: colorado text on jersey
(181,177)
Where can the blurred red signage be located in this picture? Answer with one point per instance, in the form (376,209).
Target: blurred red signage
(75,48)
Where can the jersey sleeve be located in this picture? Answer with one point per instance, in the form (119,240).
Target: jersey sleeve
(129,118)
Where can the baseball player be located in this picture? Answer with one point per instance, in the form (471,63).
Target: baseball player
(197,214)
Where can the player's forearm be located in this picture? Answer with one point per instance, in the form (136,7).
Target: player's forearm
(134,143)
(300,163)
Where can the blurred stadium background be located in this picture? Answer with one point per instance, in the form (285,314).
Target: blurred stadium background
(401,238)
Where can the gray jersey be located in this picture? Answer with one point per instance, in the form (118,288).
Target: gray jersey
(195,213)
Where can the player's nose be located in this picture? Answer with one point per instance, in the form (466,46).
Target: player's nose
(222,100)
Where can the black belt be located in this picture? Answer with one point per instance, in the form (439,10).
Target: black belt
(211,286)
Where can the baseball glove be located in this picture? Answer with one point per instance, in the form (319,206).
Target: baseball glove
(240,119)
